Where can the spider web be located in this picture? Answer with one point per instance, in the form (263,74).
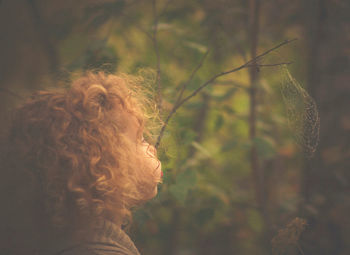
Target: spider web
(302,114)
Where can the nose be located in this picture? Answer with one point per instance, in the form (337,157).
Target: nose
(151,149)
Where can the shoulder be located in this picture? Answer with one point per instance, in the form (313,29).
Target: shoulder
(103,238)
(95,249)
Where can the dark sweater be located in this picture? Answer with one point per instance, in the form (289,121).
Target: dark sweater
(107,239)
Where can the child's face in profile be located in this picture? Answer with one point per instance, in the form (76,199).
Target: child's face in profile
(147,151)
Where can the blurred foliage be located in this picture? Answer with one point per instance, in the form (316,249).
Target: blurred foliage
(206,204)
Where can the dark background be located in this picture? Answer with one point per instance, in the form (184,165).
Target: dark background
(236,173)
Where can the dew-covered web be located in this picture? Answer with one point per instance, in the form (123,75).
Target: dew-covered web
(302,113)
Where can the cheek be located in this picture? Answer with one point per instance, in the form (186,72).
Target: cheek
(151,160)
(154,164)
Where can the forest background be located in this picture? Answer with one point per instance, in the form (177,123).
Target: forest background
(248,169)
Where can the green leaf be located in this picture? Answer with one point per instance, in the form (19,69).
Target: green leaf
(205,215)
(179,193)
(219,122)
(196,46)
(255,221)
(228,109)
(224,96)
(186,179)
(201,149)
(229,145)
(188,136)
(184,182)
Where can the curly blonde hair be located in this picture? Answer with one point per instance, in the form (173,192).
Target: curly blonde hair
(71,146)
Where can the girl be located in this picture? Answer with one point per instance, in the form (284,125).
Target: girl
(73,165)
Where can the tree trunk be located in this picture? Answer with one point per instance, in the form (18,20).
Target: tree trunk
(326,180)
(256,169)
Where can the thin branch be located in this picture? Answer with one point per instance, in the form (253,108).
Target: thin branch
(148,34)
(212,79)
(247,64)
(165,124)
(184,86)
(154,38)
(177,103)
(270,50)
(255,165)
(156,50)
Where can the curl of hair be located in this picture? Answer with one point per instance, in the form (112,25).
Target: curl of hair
(72,143)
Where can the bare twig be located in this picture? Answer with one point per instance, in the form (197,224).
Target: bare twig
(184,86)
(178,100)
(154,39)
(247,64)
(148,34)
(212,79)
(156,50)
(270,50)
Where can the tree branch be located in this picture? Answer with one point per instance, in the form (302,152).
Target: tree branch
(149,35)
(270,50)
(184,86)
(212,79)
(255,165)
(154,39)
(156,50)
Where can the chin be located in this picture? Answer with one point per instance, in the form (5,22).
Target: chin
(155,192)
